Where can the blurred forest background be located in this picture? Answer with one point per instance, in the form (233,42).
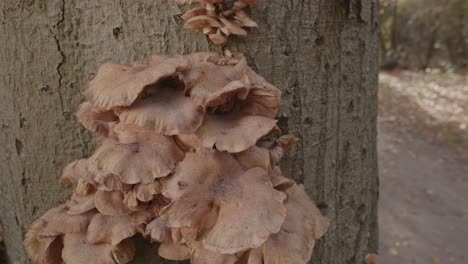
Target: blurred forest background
(424,34)
(423,131)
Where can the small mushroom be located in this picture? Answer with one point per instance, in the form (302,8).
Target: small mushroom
(225,15)
(218,38)
(198,11)
(232,28)
(244,19)
(198,23)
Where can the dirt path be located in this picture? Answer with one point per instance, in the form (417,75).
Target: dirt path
(423,183)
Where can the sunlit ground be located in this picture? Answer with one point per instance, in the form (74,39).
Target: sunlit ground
(423,159)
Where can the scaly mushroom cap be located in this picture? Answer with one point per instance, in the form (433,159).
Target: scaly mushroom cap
(138,156)
(245,205)
(120,85)
(77,250)
(228,16)
(303,225)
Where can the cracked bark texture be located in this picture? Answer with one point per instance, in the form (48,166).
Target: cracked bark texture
(323,54)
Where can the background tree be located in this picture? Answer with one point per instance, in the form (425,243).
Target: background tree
(323,54)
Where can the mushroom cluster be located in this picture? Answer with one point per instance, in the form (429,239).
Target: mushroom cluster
(218,19)
(183,161)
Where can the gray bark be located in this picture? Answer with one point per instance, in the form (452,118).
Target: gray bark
(323,55)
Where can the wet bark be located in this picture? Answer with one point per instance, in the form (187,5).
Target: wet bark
(323,55)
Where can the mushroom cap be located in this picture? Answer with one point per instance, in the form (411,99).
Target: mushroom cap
(172,251)
(111,229)
(197,23)
(132,202)
(245,20)
(61,222)
(42,249)
(197,11)
(234,133)
(232,27)
(111,203)
(244,204)
(146,192)
(82,205)
(120,85)
(78,251)
(207,79)
(99,122)
(75,171)
(254,157)
(142,157)
(200,255)
(157,230)
(303,225)
(167,111)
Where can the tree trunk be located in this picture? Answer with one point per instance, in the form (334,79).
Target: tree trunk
(323,55)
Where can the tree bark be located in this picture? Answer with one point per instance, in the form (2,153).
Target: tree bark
(323,55)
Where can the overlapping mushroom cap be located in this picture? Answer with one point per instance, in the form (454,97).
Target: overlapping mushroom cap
(218,19)
(182,161)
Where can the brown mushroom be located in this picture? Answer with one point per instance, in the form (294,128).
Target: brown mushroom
(227,16)
(43,249)
(172,251)
(77,250)
(138,156)
(120,85)
(248,208)
(75,171)
(303,225)
(82,205)
(99,122)
(198,23)
(111,229)
(111,203)
(167,111)
(234,133)
(200,255)
(61,222)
